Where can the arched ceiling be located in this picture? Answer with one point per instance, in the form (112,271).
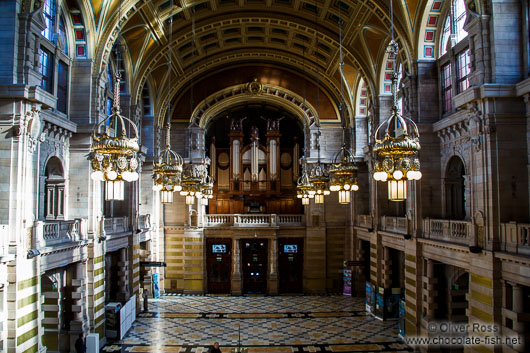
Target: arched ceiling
(297,36)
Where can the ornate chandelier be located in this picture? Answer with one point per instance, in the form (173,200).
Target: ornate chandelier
(191,179)
(343,174)
(113,151)
(305,190)
(397,144)
(320,179)
(167,171)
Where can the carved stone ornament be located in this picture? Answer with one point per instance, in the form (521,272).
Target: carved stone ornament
(255,87)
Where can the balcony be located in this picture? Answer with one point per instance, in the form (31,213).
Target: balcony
(458,232)
(116,225)
(253,220)
(365,221)
(55,233)
(394,224)
(515,238)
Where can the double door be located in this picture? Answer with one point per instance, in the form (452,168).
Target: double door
(254,265)
(219,264)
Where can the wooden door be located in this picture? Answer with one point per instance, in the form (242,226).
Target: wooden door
(219,264)
(254,264)
(291,264)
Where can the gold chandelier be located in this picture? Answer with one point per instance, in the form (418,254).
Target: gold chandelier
(167,171)
(191,179)
(396,146)
(113,151)
(305,190)
(343,175)
(320,179)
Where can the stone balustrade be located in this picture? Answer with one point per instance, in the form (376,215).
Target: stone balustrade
(452,231)
(116,225)
(394,224)
(252,220)
(364,221)
(53,233)
(515,238)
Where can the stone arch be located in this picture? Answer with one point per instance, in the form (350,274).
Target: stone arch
(78,42)
(234,95)
(430,27)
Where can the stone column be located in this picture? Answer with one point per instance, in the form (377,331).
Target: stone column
(236,285)
(273,274)
(123,276)
(387,268)
(429,282)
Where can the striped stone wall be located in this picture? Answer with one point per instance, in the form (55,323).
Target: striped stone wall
(174,254)
(193,261)
(315,260)
(334,258)
(96,291)
(23,306)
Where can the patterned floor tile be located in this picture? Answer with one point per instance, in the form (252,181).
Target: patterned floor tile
(190,324)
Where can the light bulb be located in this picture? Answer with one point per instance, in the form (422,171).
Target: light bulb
(355,187)
(97,175)
(327,192)
(183,193)
(157,187)
(397,175)
(178,187)
(299,196)
(418,175)
(111,175)
(169,187)
(134,176)
(126,175)
(347,187)
(334,188)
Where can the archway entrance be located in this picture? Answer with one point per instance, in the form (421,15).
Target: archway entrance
(455,203)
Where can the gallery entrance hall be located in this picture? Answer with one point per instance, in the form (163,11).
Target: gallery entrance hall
(269,324)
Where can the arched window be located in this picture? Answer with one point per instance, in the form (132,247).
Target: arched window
(54,197)
(62,35)
(455,202)
(49,13)
(453,31)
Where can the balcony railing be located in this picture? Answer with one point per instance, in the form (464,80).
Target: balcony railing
(4,239)
(252,220)
(52,233)
(459,232)
(365,221)
(116,225)
(515,238)
(394,224)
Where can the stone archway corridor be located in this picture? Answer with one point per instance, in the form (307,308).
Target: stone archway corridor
(268,324)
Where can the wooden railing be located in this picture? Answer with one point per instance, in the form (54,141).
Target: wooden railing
(116,225)
(515,238)
(51,233)
(394,224)
(252,220)
(459,232)
(365,221)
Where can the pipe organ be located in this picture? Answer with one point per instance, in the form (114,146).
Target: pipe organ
(254,171)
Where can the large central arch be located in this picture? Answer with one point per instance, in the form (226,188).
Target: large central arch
(256,92)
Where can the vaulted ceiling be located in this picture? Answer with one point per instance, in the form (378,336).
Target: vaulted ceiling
(285,39)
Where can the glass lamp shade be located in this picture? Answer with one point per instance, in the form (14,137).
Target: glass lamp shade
(319,198)
(344,197)
(397,190)
(190,200)
(305,201)
(114,190)
(166,196)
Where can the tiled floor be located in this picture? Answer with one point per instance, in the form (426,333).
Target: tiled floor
(268,324)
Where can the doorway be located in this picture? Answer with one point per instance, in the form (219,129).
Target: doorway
(254,257)
(219,264)
(291,264)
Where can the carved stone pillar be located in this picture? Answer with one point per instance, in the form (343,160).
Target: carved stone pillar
(273,274)
(236,268)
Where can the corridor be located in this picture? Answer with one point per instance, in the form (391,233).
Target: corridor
(267,324)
